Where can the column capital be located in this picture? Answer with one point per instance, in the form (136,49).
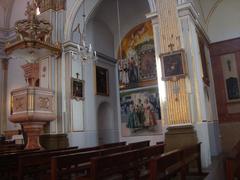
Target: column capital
(187,9)
(153,16)
(70,46)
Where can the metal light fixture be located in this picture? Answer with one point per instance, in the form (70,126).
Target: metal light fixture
(85,52)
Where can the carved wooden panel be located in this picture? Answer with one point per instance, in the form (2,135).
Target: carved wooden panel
(225,57)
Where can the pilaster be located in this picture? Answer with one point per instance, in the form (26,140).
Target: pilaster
(199,99)
(3,93)
(177,100)
(72,110)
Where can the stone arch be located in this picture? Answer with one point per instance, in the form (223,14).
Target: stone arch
(75,8)
(71,17)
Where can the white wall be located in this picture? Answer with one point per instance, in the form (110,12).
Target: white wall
(224,22)
(2,17)
(100,36)
(18,11)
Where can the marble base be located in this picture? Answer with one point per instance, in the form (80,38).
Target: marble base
(33,131)
(180,137)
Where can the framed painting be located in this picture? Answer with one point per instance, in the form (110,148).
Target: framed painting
(173,65)
(102,81)
(77,89)
(140,112)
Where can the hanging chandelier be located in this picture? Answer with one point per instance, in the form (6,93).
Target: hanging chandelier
(85,52)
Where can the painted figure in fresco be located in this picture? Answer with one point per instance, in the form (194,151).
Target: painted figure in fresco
(150,119)
(125,76)
(140,112)
(120,70)
(133,121)
(132,66)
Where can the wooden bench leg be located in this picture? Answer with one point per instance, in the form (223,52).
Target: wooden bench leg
(229,169)
(199,164)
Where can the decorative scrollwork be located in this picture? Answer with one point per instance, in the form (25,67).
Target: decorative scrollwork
(44,103)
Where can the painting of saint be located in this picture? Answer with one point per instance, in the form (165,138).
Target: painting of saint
(173,65)
(77,89)
(102,87)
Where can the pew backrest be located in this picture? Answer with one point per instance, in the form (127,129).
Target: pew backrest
(138,145)
(165,165)
(110,145)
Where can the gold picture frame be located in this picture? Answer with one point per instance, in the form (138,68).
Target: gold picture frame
(173,65)
(77,89)
(101,81)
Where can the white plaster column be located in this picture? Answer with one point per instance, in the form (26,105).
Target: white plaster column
(55,69)
(72,110)
(3,93)
(196,85)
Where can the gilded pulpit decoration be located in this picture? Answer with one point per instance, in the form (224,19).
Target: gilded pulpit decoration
(19,102)
(32,106)
(33,35)
(44,103)
(56,5)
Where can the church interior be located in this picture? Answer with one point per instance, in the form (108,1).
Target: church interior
(119,89)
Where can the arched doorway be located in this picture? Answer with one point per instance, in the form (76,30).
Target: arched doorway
(105,124)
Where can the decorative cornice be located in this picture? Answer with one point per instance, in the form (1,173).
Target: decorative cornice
(151,15)
(187,9)
(69,46)
(106,58)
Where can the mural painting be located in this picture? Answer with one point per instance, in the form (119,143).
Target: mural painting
(140,112)
(137,65)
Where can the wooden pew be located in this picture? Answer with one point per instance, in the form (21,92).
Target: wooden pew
(232,163)
(138,145)
(38,165)
(74,164)
(192,154)
(26,163)
(104,146)
(122,165)
(9,160)
(166,166)
(110,145)
(11,147)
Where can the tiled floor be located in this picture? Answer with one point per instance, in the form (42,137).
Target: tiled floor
(216,170)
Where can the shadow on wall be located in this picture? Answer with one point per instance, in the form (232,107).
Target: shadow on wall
(105,124)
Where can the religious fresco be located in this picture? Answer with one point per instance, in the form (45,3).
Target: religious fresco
(140,112)
(137,64)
